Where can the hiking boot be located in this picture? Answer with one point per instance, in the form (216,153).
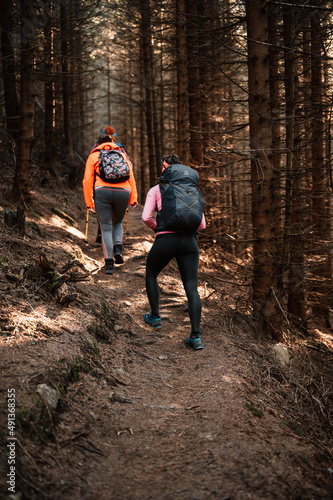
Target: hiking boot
(194,342)
(154,322)
(117,254)
(108,267)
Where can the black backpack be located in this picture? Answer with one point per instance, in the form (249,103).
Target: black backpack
(113,166)
(182,202)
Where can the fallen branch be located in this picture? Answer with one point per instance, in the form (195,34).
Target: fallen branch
(57,462)
(70,440)
(120,399)
(280,307)
(97,451)
(224,281)
(30,456)
(62,214)
(34,376)
(128,429)
(67,329)
(57,282)
(192,407)
(32,485)
(147,356)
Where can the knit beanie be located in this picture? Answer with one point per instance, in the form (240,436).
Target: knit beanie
(109,131)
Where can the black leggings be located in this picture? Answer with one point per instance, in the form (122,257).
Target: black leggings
(184,248)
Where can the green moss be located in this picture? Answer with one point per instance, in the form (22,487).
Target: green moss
(80,366)
(36,421)
(91,347)
(295,427)
(307,462)
(35,214)
(254,410)
(65,373)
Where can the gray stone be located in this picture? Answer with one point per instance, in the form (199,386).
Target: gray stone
(50,395)
(281,354)
(15,496)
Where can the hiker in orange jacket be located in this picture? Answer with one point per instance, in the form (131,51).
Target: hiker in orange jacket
(109,201)
(110,131)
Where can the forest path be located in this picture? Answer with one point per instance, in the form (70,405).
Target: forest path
(178,426)
(150,418)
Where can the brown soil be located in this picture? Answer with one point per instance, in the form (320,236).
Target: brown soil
(141,416)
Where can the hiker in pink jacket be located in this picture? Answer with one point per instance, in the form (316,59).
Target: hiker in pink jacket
(168,244)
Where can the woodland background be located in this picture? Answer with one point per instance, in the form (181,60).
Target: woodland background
(241,90)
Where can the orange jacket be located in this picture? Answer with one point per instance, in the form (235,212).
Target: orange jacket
(89,175)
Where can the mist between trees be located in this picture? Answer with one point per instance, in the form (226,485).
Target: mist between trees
(240,90)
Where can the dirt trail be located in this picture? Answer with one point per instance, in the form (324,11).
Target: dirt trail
(153,419)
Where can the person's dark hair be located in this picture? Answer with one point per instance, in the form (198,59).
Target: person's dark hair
(172,159)
(103,138)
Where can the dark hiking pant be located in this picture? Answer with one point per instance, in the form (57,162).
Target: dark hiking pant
(184,248)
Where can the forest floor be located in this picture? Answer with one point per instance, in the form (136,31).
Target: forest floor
(141,416)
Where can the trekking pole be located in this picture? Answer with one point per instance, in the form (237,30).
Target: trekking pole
(127,231)
(87,220)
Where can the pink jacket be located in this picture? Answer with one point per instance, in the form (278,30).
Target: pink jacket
(154,200)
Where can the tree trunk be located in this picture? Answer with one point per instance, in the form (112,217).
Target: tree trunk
(319,177)
(65,95)
(274,88)
(160,124)
(289,78)
(193,72)
(148,76)
(296,274)
(21,187)
(263,224)
(48,94)
(319,174)
(293,253)
(8,69)
(182,84)
(58,97)
(144,174)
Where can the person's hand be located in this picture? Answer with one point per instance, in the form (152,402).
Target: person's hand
(133,205)
(91,210)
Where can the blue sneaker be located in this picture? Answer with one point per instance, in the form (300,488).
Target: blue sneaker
(194,342)
(154,322)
